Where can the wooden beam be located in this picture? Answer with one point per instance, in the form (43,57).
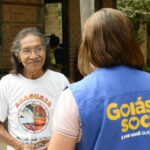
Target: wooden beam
(52,1)
(109,3)
(105,4)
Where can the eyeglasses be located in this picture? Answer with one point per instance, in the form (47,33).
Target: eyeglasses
(37,50)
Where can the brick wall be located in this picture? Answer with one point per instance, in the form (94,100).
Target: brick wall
(15,16)
(52,25)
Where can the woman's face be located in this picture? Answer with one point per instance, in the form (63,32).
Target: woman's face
(32,54)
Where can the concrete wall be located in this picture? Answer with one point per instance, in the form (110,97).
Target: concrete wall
(86,9)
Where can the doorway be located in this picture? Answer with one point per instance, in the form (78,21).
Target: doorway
(56,24)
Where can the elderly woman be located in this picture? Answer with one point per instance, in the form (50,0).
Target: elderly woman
(28,94)
(110,108)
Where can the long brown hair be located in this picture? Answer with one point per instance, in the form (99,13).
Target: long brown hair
(108,40)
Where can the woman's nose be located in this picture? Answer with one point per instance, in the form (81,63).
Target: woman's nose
(33,54)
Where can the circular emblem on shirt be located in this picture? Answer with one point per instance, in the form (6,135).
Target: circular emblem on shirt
(33,116)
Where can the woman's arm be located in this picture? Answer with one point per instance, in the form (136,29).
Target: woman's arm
(8,139)
(59,141)
(66,123)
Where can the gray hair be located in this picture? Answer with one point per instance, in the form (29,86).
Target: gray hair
(17,66)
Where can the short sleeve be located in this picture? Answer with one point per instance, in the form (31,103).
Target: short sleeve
(3,104)
(66,116)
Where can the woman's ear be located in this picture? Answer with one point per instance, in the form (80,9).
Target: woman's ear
(17,56)
(19,59)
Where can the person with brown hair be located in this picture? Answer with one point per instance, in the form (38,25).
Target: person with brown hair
(109,109)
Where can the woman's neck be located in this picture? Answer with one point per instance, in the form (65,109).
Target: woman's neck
(33,74)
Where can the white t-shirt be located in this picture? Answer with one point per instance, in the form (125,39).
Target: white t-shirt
(29,104)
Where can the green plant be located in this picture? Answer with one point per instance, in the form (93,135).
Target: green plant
(58,13)
(136,10)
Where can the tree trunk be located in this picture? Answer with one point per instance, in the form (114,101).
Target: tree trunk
(143,46)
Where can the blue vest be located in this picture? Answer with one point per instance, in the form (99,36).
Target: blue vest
(114,109)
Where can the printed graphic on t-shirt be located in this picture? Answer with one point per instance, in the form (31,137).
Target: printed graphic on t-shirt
(33,116)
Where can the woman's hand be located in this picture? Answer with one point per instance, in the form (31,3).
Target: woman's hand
(28,147)
(42,144)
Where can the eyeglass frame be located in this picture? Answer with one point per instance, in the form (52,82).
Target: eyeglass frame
(28,51)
